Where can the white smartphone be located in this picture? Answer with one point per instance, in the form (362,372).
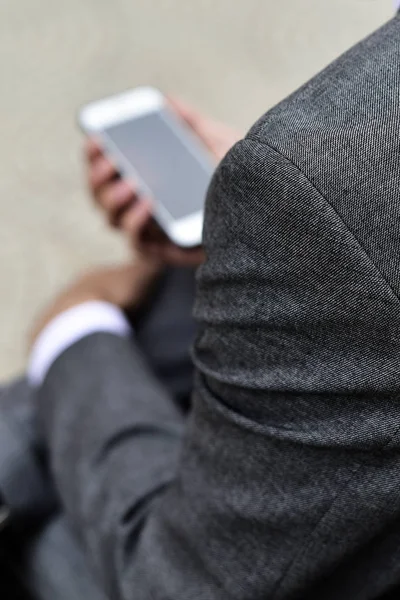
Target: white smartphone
(151,145)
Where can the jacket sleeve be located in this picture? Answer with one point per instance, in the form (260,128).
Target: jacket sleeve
(272,487)
(26,493)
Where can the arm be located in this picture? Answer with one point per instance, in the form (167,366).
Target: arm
(115,440)
(285,458)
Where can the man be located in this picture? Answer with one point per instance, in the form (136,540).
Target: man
(283,481)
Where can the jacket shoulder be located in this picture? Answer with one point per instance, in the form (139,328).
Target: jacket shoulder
(341,131)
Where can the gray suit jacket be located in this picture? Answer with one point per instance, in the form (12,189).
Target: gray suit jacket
(285,480)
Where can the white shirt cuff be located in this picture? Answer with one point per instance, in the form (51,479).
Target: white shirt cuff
(70,327)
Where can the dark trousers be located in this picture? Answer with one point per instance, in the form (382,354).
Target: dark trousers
(39,555)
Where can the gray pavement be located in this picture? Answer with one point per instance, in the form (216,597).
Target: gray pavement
(233,58)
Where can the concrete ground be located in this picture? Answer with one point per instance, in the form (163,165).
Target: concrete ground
(233,58)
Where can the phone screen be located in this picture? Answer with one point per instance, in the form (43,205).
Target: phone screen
(175,176)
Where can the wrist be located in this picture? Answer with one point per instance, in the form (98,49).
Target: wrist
(70,326)
(60,306)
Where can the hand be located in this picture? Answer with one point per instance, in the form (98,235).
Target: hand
(125,286)
(132,214)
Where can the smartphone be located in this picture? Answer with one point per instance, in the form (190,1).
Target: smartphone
(150,144)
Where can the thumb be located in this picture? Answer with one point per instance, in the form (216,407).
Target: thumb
(203,126)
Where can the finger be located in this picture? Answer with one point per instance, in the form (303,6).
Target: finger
(115,199)
(101,172)
(155,242)
(134,221)
(154,234)
(169,253)
(92,149)
(184,257)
